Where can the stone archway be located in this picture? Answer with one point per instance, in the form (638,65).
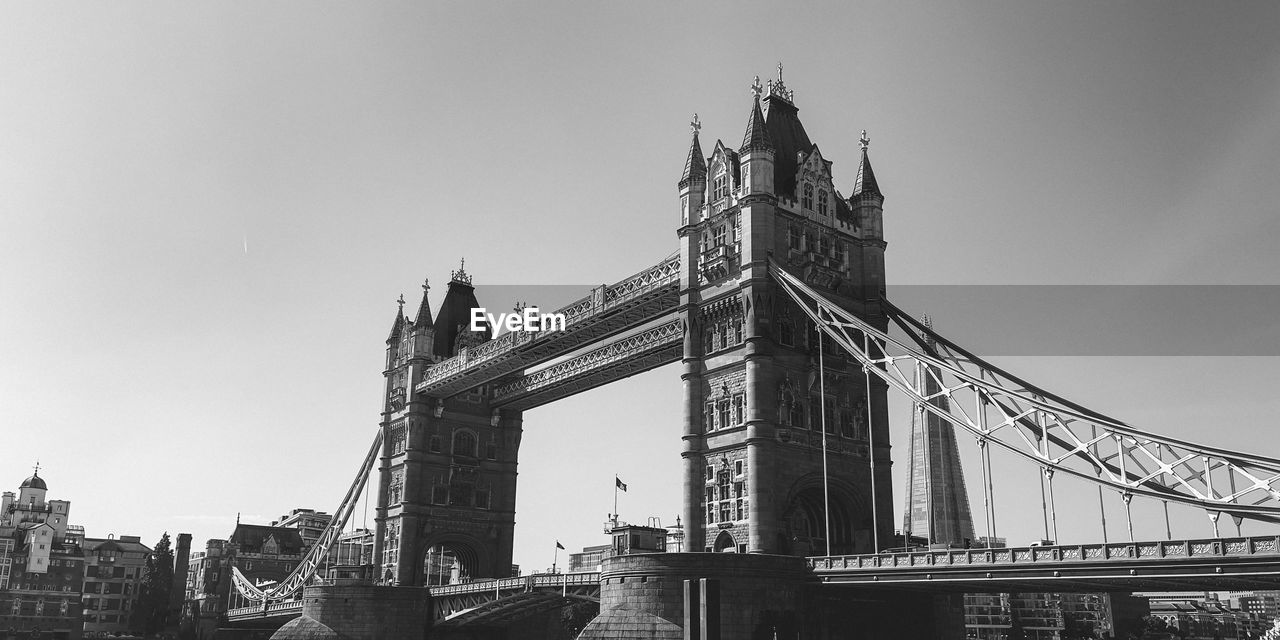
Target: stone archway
(450,560)
(804,524)
(725,542)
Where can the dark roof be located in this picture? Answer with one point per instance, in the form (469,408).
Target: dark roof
(251,537)
(105,544)
(423,319)
(455,316)
(34,482)
(866,180)
(788,137)
(756,137)
(396,325)
(695,166)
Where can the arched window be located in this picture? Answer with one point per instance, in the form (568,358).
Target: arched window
(806,199)
(464,444)
(797,414)
(720,184)
(822,202)
(786,335)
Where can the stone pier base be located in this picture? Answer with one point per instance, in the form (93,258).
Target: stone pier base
(360,612)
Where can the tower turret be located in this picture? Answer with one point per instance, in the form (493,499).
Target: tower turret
(423,327)
(757,152)
(693,183)
(397,329)
(453,322)
(867,204)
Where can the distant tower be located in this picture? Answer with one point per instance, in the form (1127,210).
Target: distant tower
(937,502)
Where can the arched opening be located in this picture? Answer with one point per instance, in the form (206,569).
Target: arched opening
(725,543)
(804,525)
(449,563)
(464,443)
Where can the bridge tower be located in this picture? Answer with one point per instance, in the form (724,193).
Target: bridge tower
(754,402)
(447,474)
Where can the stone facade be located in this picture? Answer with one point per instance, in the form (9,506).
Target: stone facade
(756,406)
(357,612)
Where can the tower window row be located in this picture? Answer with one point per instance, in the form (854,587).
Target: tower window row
(722,335)
(724,413)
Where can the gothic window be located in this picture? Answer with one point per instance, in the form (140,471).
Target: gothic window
(711,519)
(809,244)
(718,336)
(708,337)
(806,200)
(711,495)
(822,202)
(710,473)
(737,331)
(785,333)
(723,413)
(724,512)
(491,451)
(482,499)
(709,418)
(464,444)
(719,235)
(824,246)
(460,494)
(740,515)
(737,467)
(793,237)
(739,408)
(397,440)
(745,181)
(723,478)
(434,444)
(846,423)
(440,494)
(720,185)
(737,490)
(839,252)
(797,415)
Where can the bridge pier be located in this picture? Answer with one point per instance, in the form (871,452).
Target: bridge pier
(759,597)
(361,612)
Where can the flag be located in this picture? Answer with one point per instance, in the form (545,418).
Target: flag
(617,482)
(558,545)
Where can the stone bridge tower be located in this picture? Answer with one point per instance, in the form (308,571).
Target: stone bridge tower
(754,407)
(447,474)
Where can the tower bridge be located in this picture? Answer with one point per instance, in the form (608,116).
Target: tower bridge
(775,306)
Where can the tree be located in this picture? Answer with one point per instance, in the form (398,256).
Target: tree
(153,602)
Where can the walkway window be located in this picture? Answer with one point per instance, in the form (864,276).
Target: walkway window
(464,444)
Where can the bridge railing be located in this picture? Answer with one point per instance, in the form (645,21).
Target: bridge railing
(1101,552)
(524,583)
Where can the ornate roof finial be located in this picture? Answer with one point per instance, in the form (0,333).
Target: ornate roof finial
(400,301)
(37,469)
(757,89)
(460,276)
(426,285)
(777,88)
(695,124)
(864,140)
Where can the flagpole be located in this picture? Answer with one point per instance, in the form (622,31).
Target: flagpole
(615,500)
(555,557)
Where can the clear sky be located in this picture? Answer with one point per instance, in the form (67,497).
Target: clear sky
(208,210)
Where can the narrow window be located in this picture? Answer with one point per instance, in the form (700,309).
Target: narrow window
(806,200)
(822,202)
(739,413)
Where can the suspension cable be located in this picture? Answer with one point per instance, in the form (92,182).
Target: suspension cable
(871,452)
(822,404)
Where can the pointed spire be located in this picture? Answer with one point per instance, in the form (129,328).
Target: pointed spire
(423,319)
(399,321)
(757,137)
(695,166)
(865,184)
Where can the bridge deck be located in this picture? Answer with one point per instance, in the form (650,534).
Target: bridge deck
(1243,563)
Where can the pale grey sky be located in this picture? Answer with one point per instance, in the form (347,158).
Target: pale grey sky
(167,377)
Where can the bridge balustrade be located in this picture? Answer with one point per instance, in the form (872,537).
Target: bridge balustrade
(1100,552)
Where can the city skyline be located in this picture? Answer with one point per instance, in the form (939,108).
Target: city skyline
(206,215)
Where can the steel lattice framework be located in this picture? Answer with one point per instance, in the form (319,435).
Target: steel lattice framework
(306,569)
(1002,410)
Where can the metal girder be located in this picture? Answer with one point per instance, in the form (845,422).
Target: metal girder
(626,356)
(273,596)
(607,311)
(1194,564)
(1056,434)
(494,602)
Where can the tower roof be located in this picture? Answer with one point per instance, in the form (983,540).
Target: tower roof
(398,323)
(695,166)
(756,137)
(789,139)
(865,183)
(34,482)
(423,319)
(455,313)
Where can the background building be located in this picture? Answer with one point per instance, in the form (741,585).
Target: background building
(41,563)
(309,523)
(114,570)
